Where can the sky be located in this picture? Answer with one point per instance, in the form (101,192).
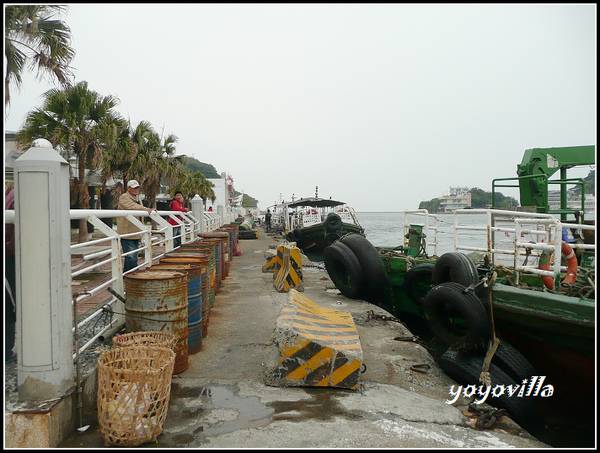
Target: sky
(378,105)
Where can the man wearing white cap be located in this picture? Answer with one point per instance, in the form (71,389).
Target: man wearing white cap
(130,201)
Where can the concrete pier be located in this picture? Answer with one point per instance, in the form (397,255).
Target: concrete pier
(223,401)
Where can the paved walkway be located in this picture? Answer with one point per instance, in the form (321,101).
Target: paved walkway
(222,400)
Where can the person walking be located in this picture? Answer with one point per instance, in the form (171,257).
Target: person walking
(177,205)
(130,201)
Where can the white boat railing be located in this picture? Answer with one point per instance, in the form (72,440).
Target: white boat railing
(505,235)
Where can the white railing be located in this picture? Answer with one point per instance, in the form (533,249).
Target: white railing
(97,254)
(515,238)
(430,227)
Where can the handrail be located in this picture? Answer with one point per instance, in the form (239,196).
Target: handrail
(515,225)
(109,246)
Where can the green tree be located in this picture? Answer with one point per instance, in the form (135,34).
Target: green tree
(78,120)
(193,183)
(32,35)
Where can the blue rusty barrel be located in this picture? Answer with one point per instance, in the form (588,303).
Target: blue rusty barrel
(157,301)
(206,260)
(194,272)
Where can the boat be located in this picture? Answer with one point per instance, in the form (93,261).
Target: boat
(314,223)
(517,294)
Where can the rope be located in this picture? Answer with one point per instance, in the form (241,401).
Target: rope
(485,376)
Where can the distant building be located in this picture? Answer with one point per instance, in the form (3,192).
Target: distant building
(573,200)
(459,198)
(224,192)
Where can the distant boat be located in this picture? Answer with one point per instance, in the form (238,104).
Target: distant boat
(315,223)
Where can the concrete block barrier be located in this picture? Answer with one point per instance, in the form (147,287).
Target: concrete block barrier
(287,266)
(319,346)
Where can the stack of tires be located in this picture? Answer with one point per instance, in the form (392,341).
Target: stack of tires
(459,319)
(356,268)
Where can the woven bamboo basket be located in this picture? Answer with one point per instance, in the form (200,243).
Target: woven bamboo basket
(148,338)
(134,386)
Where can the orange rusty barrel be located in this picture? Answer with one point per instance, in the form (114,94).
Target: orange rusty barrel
(158,301)
(194,272)
(208,279)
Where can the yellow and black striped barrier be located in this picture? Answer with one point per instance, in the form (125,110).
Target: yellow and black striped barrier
(319,346)
(287,266)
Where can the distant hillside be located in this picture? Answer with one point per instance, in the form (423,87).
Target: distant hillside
(207,170)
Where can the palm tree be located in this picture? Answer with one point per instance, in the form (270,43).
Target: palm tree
(155,160)
(192,183)
(31,34)
(79,120)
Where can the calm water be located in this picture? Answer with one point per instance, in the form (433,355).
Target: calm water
(387,229)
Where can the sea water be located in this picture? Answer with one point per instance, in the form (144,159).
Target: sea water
(386,229)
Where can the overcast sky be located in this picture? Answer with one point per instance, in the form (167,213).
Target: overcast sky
(379,105)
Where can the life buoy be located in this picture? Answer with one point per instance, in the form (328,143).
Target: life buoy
(457,317)
(311,211)
(545,259)
(344,270)
(342,210)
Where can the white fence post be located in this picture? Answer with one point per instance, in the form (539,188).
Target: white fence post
(43,270)
(198,211)
(221,214)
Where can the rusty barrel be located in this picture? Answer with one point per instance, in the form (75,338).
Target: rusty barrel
(213,246)
(157,301)
(219,257)
(194,272)
(233,229)
(208,279)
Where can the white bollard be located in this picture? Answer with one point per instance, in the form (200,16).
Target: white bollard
(43,274)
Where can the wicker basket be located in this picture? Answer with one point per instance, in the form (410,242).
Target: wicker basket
(149,338)
(134,385)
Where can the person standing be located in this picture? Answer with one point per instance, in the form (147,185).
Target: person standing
(268,220)
(10,300)
(130,201)
(177,205)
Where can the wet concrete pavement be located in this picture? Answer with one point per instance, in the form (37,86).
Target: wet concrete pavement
(222,401)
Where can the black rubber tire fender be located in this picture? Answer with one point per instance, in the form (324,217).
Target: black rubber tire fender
(465,368)
(333,222)
(330,238)
(455,267)
(344,270)
(372,266)
(512,362)
(416,280)
(456,316)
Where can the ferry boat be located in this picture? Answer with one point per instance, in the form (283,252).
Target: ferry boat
(315,223)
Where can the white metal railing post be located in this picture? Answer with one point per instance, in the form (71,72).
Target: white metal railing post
(198,211)
(221,214)
(43,269)
(118,284)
